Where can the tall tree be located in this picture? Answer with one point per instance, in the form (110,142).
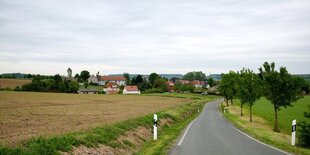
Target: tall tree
(225,88)
(139,79)
(194,76)
(281,88)
(228,86)
(77,76)
(161,84)
(84,75)
(233,78)
(127,77)
(152,78)
(211,82)
(249,89)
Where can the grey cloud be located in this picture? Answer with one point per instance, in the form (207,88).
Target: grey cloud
(147,36)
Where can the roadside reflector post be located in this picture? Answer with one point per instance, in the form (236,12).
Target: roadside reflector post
(155,127)
(293,131)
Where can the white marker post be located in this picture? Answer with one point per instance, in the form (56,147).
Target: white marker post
(155,127)
(293,131)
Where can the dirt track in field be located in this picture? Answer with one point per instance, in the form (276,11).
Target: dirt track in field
(24,114)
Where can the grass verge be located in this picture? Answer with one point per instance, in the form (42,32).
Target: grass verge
(262,129)
(107,135)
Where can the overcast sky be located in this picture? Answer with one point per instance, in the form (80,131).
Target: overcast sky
(144,36)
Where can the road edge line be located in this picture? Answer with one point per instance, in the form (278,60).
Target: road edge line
(185,133)
(262,142)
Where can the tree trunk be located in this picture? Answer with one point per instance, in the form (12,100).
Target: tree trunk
(231,101)
(241,109)
(227,102)
(276,129)
(250,113)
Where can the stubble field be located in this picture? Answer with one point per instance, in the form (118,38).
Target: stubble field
(12,83)
(24,115)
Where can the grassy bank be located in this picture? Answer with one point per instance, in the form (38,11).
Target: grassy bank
(171,123)
(263,118)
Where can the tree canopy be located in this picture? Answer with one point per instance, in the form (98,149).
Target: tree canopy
(84,75)
(196,75)
(249,89)
(228,85)
(281,88)
(153,77)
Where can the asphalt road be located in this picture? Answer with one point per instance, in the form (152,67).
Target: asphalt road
(211,134)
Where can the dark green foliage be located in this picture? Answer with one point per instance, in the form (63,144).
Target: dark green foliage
(84,75)
(29,76)
(194,76)
(153,90)
(281,88)
(139,79)
(211,82)
(144,85)
(121,88)
(304,136)
(55,84)
(127,77)
(161,84)
(228,85)
(77,76)
(184,87)
(249,89)
(17,88)
(86,84)
(152,78)
(305,87)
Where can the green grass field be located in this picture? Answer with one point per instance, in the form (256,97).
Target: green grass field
(263,122)
(263,108)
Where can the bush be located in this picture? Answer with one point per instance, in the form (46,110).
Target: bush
(304,137)
(17,88)
(153,90)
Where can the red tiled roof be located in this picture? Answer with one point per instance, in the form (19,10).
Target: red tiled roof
(112,78)
(197,82)
(131,88)
(110,85)
(170,83)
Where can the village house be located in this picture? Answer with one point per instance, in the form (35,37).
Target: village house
(184,81)
(131,90)
(92,79)
(198,84)
(111,88)
(170,86)
(119,80)
(88,91)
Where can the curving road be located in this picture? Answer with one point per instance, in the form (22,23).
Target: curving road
(211,134)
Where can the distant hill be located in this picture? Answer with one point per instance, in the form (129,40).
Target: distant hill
(305,76)
(216,77)
(170,76)
(13,75)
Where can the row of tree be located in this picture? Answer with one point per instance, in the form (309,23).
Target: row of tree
(199,75)
(279,87)
(154,83)
(56,84)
